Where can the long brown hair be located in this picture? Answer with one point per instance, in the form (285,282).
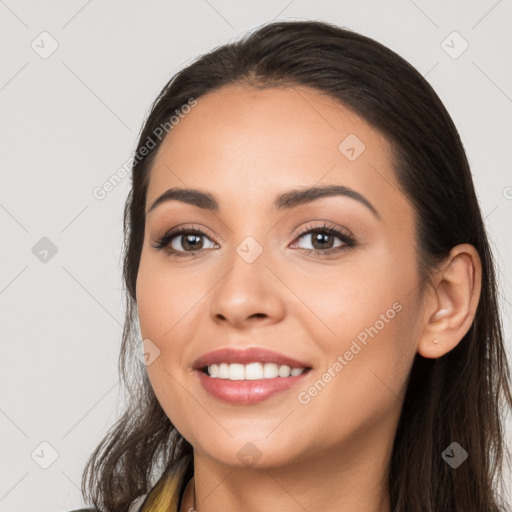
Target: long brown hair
(461,397)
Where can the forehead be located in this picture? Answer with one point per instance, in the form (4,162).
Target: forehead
(254,141)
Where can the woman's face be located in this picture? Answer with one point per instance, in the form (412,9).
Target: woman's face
(344,302)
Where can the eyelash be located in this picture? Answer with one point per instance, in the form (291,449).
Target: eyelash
(347,239)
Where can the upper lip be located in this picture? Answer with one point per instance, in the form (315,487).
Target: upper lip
(245,356)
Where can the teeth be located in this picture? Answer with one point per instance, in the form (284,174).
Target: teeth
(251,371)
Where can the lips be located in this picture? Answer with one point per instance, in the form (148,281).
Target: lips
(247,392)
(246,356)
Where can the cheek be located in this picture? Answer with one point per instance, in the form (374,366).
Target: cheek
(344,301)
(167,305)
(165,299)
(366,326)
(363,379)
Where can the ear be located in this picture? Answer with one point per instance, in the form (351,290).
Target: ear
(450,303)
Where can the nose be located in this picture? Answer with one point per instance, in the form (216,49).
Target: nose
(248,294)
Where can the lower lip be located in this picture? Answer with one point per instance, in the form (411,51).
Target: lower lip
(244,392)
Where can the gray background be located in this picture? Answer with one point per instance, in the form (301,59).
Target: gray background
(70,120)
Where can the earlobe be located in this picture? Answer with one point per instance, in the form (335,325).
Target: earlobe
(450,307)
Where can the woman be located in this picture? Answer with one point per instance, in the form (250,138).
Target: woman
(307,264)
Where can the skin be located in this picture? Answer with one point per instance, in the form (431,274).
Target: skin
(245,146)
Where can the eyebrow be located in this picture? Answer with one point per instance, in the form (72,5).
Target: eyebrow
(285,201)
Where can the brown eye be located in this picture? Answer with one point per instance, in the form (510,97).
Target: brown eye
(190,242)
(324,238)
(321,241)
(182,241)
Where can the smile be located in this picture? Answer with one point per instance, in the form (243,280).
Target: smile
(251,371)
